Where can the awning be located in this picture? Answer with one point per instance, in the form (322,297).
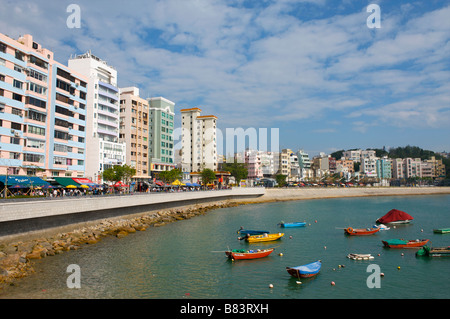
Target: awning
(66,181)
(86,181)
(23,181)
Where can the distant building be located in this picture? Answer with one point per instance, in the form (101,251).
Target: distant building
(134,131)
(199,146)
(161,145)
(384,168)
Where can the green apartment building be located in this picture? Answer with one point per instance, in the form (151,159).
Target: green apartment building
(161,126)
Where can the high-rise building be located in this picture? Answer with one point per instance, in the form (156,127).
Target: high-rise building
(199,147)
(161,145)
(42,112)
(102,115)
(134,131)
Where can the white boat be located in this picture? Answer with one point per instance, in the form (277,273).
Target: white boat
(360,256)
(381,227)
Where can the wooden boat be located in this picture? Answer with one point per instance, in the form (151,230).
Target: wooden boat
(237,254)
(434,252)
(263,237)
(360,231)
(289,225)
(441,231)
(395,216)
(360,256)
(305,271)
(401,243)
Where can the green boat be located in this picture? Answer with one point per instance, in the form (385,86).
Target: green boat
(434,252)
(441,231)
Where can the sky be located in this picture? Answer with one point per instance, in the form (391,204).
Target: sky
(313,69)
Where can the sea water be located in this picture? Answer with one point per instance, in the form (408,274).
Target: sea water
(186,259)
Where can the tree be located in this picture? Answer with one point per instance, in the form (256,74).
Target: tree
(207,175)
(171,176)
(119,173)
(281,179)
(237,170)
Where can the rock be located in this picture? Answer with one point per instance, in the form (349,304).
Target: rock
(121,234)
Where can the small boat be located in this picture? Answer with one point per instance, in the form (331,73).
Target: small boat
(360,231)
(395,216)
(434,252)
(263,237)
(401,243)
(238,254)
(305,271)
(381,227)
(289,225)
(441,231)
(360,256)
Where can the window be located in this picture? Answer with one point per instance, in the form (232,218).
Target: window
(35,143)
(37,116)
(62,135)
(59,160)
(36,102)
(36,130)
(62,123)
(38,76)
(63,110)
(62,98)
(16,126)
(17,97)
(17,84)
(14,140)
(3,47)
(65,86)
(38,62)
(37,88)
(35,158)
(20,55)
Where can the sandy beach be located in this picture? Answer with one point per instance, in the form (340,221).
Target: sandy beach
(285,194)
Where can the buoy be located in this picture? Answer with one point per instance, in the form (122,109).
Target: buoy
(281,254)
(270,286)
(398,267)
(324,247)
(421,230)
(332,283)
(403,254)
(315,221)
(382,274)
(290,237)
(339,266)
(378,254)
(298,282)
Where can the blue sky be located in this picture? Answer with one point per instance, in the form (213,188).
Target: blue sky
(311,68)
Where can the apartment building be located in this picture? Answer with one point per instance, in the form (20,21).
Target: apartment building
(134,131)
(102,115)
(199,147)
(161,142)
(254,165)
(384,168)
(369,166)
(42,112)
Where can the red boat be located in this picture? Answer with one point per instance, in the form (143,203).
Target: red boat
(361,231)
(248,254)
(401,243)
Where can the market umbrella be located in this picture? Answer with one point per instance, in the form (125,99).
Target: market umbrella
(84,186)
(71,186)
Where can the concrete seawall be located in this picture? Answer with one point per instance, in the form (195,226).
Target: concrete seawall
(22,217)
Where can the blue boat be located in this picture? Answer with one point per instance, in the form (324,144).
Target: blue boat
(289,225)
(305,271)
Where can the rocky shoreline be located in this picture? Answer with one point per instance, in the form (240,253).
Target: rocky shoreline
(16,257)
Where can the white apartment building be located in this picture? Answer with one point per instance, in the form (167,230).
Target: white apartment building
(369,166)
(103,149)
(199,145)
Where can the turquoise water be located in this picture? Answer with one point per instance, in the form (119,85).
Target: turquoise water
(185,259)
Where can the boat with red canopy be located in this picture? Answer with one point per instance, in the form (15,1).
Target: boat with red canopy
(395,216)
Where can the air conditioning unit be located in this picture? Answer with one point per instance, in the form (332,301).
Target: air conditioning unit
(16,134)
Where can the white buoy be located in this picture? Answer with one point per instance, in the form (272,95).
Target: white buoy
(298,282)
(270,286)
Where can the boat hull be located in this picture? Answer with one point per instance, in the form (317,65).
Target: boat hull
(292,225)
(249,255)
(305,271)
(406,243)
(264,237)
(361,231)
(434,252)
(253,232)
(442,231)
